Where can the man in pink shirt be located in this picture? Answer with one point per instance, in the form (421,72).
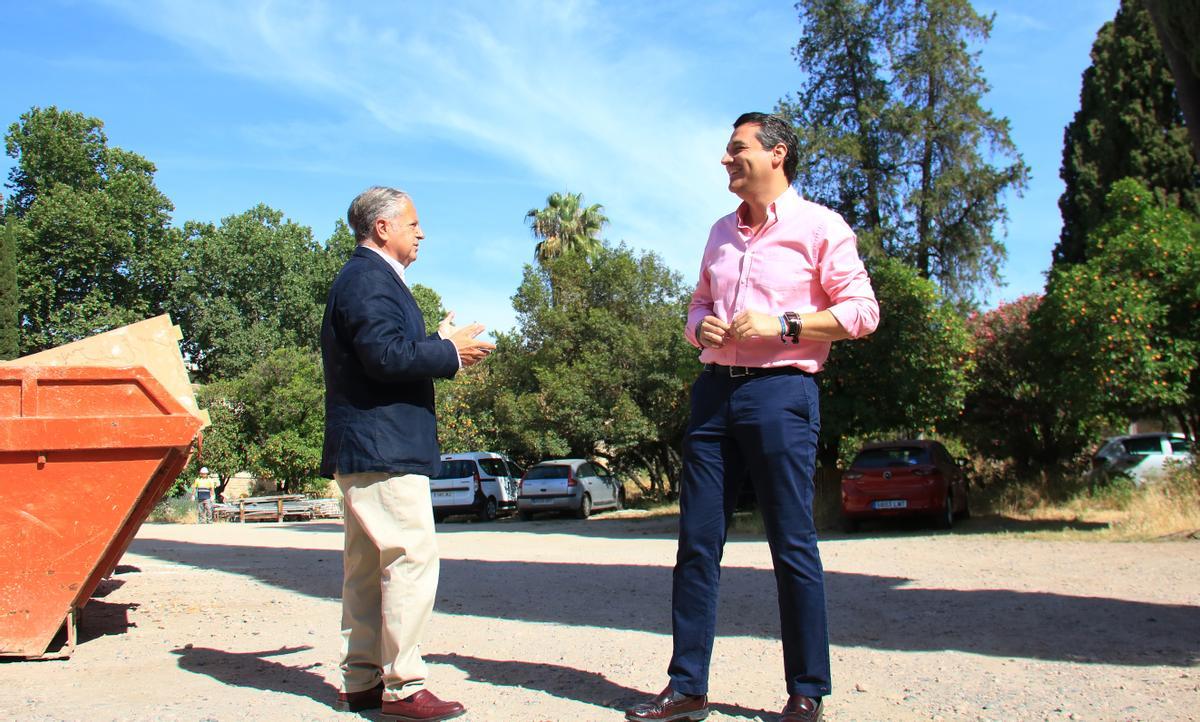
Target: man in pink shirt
(780,280)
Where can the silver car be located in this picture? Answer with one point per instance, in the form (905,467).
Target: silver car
(1142,457)
(571,485)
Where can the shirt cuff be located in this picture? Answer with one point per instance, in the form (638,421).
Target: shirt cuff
(457,358)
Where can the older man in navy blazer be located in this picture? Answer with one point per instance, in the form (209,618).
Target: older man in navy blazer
(381,446)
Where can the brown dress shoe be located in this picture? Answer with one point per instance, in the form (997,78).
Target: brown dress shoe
(801,709)
(670,705)
(359,701)
(421,707)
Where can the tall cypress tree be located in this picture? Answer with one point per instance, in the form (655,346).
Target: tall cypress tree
(1129,124)
(9,300)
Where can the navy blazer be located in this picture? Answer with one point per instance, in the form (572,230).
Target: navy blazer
(379,371)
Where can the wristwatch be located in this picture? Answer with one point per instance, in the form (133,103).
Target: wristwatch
(794,325)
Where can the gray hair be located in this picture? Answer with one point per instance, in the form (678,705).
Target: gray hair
(372,204)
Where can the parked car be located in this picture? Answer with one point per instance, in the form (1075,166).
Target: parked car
(904,478)
(482,483)
(1142,457)
(572,485)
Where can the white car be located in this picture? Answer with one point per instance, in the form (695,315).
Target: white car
(1143,457)
(482,483)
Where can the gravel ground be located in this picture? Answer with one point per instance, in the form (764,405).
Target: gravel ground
(570,620)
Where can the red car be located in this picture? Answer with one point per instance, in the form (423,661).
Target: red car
(903,478)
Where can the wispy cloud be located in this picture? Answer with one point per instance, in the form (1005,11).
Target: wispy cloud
(558,89)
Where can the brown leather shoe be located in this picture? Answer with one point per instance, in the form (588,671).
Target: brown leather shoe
(670,705)
(421,707)
(359,701)
(802,709)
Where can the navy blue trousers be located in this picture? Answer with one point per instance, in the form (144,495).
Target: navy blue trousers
(764,428)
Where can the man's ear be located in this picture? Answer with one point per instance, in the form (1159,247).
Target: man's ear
(778,153)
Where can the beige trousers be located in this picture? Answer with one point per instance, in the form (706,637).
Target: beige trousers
(391,576)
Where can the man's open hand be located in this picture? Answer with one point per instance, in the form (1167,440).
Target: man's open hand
(470,349)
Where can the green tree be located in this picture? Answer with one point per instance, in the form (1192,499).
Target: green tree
(281,400)
(893,133)
(1013,410)
(603,371)
(565,225)
(1129,125)
(956,196)
(465,421)
(10,299)
(1123,327)
(430,304)
(910,376)
(253,284)
(94,250)
(226,449)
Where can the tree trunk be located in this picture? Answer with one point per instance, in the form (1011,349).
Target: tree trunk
(1175,42)
(827,483)
(222,482)
(924,214)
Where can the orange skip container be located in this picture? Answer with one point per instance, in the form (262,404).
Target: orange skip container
(85,454)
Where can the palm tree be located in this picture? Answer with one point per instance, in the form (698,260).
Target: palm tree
(565,226)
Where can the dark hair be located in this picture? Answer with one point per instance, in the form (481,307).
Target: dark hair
(772,131)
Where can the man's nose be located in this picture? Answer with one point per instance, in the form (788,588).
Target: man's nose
(726,159)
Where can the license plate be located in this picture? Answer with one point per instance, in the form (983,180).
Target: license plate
(442,494)
(542,501)
(890,504)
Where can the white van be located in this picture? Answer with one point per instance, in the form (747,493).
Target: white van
(482,483)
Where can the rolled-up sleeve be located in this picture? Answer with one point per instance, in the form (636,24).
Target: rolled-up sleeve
(845,280)
(701,306)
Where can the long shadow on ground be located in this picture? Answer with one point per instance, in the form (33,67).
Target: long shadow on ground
(565,682)
(607,526)
(257,671)
(878,612)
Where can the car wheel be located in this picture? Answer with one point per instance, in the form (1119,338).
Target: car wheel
(585,507)
(849,525)
(945,518)
(488,511)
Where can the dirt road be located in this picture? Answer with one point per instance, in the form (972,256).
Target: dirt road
(569,620)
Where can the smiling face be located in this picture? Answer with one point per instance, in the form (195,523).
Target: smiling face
(751,167)
(400,235)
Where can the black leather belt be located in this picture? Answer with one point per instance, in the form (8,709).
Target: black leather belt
(735,372)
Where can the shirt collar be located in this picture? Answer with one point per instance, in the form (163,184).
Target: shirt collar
(784,204)
(397,266)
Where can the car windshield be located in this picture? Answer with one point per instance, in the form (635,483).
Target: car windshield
(1181,446)
(456,469)
(1143,446)
(548,472)
(493,467)
(893,456)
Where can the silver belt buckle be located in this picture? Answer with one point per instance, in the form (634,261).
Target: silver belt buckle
(738,371)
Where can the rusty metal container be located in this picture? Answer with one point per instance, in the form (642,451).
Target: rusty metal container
(85,454)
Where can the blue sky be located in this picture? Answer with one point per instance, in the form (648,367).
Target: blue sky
(481,109)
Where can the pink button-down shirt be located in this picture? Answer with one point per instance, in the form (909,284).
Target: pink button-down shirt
(803,259)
